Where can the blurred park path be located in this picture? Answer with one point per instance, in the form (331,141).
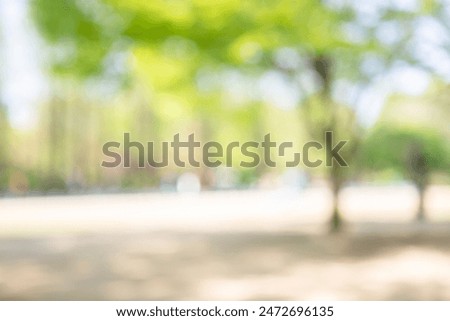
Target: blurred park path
(253,210)
(226,266)
(224,246)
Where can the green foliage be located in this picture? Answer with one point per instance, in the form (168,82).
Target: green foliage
(226,31)
(79,37)
(390,147)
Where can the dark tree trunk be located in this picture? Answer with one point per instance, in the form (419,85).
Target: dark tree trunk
(420,215)
(336,184)
(322,65)
(419,171)
(336,221)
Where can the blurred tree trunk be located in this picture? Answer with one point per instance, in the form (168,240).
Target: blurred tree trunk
(81,140)
(4,157)
(322,65)
(419,172)
(56,137)
(336,184)
(4,130)
(147,127)
(420,216)
(207,175)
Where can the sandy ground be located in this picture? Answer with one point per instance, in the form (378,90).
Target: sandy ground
(224,246)
(232,266)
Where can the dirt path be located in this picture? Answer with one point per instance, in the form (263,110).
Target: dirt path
(222,266)
(225,245)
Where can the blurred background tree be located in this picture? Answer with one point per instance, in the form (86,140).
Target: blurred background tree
(415,153)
